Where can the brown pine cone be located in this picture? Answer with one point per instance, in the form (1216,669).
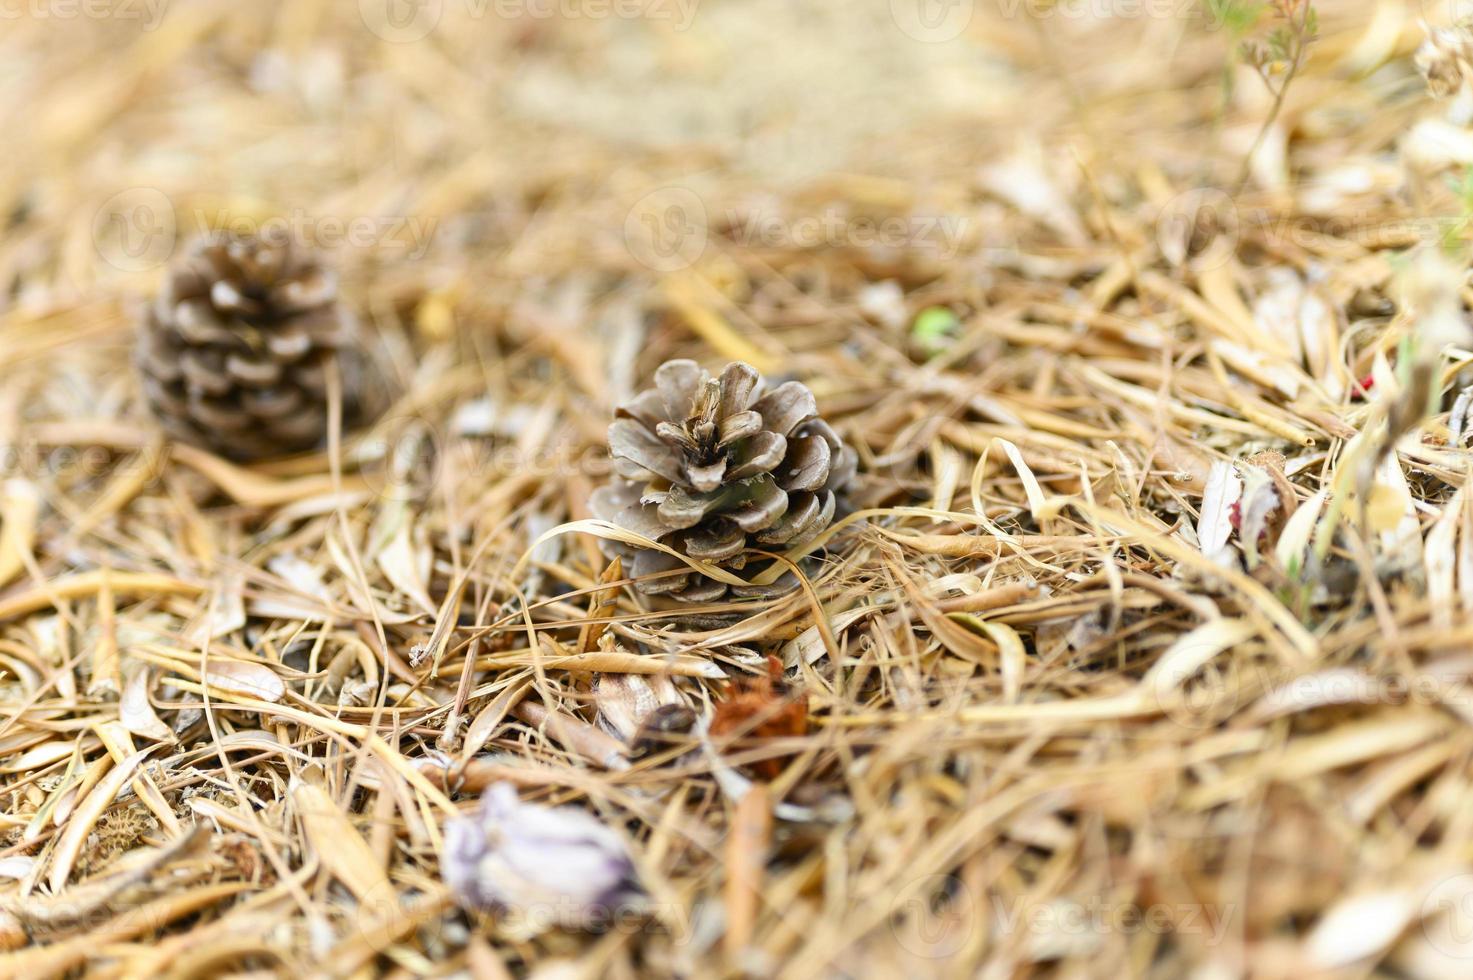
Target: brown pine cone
(233,353)
(711,467)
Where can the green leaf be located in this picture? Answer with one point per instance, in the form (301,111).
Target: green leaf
(1278,44)
(934,327)
(1237,16)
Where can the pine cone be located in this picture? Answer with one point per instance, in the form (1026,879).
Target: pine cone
(234,351)
(711,467)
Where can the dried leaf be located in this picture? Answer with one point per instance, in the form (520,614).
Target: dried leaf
(136,713)
(245,679)
(761,708)
(64,857)
(20,508)
(342,850)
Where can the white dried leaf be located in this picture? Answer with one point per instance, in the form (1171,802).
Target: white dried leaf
(884,302)
(1024,182)
(1336,187)
(1189,653)
(475,418)
(1258,501)
(401,566)
(1298,529)
(1440,559)
(625,700)
(1393,513)
(17,866)
(136,713)
(245,679)
(301,575)
(1276,309)
(1436,144)
(1358,927)
(1215,525)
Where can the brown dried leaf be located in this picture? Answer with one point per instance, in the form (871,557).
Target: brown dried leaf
(762,708)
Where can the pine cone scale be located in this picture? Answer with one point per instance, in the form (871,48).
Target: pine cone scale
(717,543)
(738,388)
(762,454)
(632,443)
(248,371)
(807,465)
(787,407)
(676,382)
(765,503)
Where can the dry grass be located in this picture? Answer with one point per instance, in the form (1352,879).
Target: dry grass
(1071,710)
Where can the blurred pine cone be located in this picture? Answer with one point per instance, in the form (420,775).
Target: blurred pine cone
(712,466)
(233,353)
